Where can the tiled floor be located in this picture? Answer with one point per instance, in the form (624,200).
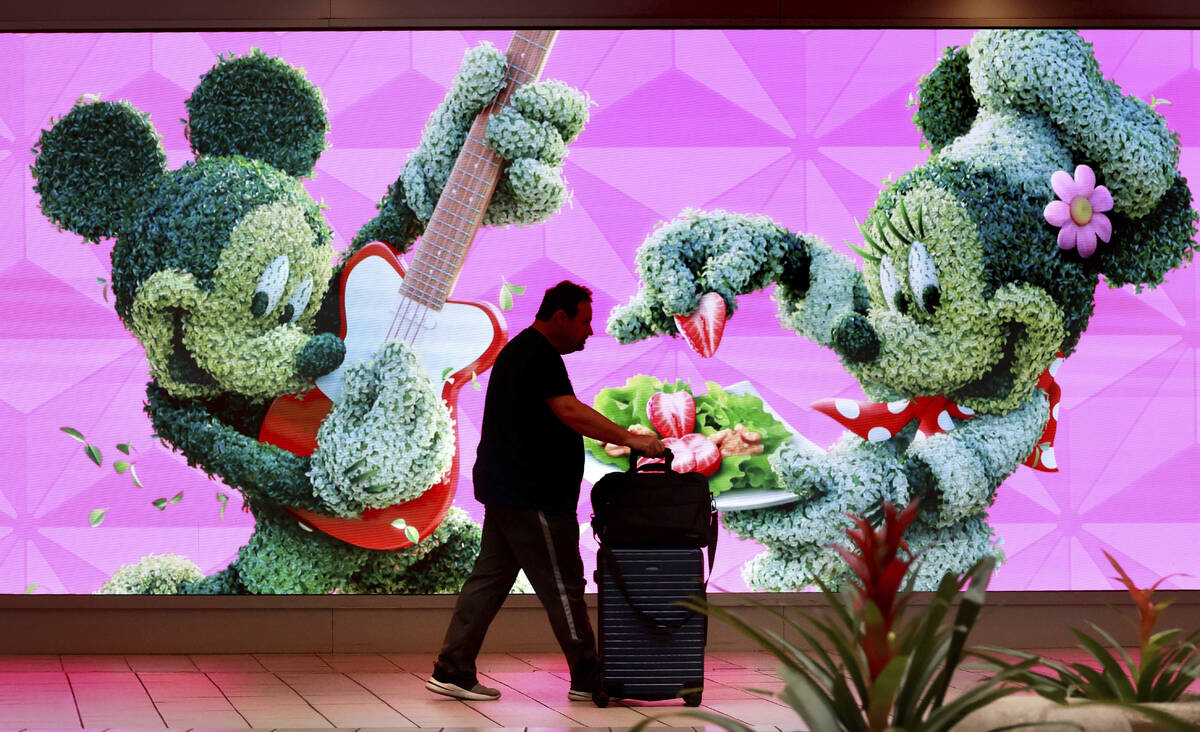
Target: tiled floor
(311,691)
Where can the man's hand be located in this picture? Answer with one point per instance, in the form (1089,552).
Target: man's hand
(648,445)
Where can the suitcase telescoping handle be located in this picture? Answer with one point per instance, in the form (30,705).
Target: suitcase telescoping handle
(654,467)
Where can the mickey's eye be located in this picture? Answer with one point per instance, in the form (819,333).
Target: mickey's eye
(270,286)
(893,295)
(298,302)
(923,279)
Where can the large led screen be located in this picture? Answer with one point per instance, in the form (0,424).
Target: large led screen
(910,259)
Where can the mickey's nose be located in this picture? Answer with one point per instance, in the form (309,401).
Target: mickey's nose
(323,353)
(854,339)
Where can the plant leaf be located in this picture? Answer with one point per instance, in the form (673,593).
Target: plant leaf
(29,590)
(120,466)
(96,516)
(475,382)
(883,691)
(224,501)
(506,300)
(93,453)
(177,497)
(134,476)
(412,534)
(159,503)
(123,447)
(74,433)
(446,372)
(399,524)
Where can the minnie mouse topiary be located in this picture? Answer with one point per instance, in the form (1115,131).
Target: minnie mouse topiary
(978,271)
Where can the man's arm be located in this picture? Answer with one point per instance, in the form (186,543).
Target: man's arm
(590,423)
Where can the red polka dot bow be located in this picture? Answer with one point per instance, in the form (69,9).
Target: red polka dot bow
(879,421)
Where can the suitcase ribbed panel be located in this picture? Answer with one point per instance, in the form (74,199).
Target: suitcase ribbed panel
(642,661)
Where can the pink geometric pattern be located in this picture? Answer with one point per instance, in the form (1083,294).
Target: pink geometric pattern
(799,125)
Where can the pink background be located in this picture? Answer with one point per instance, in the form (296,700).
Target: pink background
(798,125)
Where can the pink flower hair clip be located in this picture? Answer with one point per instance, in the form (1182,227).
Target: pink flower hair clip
(1078,212)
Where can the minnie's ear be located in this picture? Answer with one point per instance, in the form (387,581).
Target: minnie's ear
(1143,250)
(93,164)
(946,108)
(259,107)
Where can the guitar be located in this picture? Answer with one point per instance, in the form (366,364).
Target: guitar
(381,302)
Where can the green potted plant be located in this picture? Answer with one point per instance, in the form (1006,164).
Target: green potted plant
(1168,662)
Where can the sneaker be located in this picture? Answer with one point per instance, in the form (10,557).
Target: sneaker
(579,695)
(478,692)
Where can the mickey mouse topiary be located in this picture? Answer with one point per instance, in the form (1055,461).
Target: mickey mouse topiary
(222,270)
(978,270)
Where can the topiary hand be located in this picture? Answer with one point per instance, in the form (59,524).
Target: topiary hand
(388,440)
(531,133)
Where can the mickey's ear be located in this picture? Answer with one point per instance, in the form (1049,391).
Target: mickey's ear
(260,107)
(93,164)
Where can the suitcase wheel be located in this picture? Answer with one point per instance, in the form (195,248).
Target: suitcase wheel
(600,699)
(692,699)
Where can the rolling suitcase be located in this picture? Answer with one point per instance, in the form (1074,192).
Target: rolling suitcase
(652,525)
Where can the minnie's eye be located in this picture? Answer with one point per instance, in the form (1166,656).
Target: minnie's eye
(923,279)
(890,284)
(270,286)
(299,300)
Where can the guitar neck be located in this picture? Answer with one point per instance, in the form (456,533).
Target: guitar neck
(459,212)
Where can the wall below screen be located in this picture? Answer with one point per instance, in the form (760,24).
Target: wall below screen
(414,624)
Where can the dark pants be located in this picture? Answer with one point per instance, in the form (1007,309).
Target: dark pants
(546,546)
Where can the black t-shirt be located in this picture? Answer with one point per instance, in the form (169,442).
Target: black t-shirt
(527,457)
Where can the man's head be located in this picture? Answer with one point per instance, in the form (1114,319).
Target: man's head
(565,316)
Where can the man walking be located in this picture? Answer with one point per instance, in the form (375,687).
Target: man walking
(527,474)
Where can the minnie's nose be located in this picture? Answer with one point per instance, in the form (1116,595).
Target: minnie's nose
(854,339)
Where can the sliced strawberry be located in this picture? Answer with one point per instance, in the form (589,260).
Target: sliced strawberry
(672,415)
(702,329)
(693,453)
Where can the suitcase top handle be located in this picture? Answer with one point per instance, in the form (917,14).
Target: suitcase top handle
(654,467)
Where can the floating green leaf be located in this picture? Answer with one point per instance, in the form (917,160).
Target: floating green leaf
(412,534)
(224,501)
(104,287)
(159,503)
(446,372)
(29,590)
(93,452)
(121,466)
(134,476)
(74,433)
(96,516)
(507,292)
(177,497)
(475,382)
(124,447)
(399,524)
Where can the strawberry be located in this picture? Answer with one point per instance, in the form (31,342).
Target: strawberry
(702,329)
(672,415)
(693,453)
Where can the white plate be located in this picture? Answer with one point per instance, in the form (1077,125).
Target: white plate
(738,499)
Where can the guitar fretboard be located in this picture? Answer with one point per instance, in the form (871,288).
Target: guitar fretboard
(443,247)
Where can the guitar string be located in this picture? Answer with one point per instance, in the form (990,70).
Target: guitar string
(414,326)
